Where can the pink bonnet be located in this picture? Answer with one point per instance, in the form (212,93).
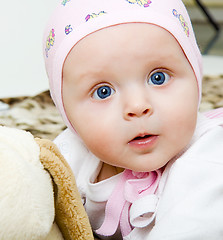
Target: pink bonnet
(75,19)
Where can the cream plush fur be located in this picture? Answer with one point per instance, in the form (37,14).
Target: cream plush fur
(28,203)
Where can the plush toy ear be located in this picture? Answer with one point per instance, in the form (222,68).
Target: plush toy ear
(26,192)
(70,216)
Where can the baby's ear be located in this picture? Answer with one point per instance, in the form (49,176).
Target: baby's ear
(26,190)
(70,217)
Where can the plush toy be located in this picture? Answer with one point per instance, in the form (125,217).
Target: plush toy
(38,195)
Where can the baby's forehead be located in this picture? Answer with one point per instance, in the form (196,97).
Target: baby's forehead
(129,39)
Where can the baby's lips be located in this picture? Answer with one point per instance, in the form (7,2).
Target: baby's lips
(143,142)
(141,137)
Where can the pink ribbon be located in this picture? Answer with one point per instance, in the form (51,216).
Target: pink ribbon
(131,187)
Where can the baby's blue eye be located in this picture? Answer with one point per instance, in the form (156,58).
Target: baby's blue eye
(159,78)
(103,92)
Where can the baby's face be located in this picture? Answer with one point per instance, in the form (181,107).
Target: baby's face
(131,95)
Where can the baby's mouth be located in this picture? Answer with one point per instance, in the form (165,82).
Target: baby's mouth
(141,137)
(143,140)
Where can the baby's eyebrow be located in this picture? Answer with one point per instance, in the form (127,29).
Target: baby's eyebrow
(90,75)
(96,70)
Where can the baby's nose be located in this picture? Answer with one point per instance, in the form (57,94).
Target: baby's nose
(138,112)
(137,107)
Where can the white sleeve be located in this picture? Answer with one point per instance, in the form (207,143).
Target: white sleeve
(191,206)
(72,148)
(82,162)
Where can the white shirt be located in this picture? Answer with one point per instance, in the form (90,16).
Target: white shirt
(190,192)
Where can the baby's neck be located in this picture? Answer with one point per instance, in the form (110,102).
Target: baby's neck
(108,171)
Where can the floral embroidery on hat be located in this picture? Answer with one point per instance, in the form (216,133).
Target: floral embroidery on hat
(65,2)
(94,15)
(68,29)
(50,41)
(144,3)
(182,21)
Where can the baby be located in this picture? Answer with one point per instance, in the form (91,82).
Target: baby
(126,77)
